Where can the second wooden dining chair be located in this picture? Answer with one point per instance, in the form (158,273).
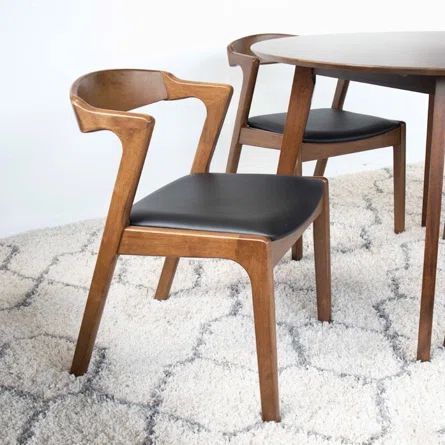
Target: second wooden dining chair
(250,219)
(329,131)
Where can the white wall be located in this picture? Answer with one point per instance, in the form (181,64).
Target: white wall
(51,174)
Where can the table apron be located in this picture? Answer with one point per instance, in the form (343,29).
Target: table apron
(419,84)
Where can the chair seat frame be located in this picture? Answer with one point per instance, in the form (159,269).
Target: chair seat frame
(240,54)
(101,101)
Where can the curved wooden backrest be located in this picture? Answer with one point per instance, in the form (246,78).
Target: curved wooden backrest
(239,53)
(102,100)
(240,50)
(121,89)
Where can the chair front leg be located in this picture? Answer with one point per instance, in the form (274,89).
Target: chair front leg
(322,256)
(399,175)
(166,279)
(100,284)
(261,276)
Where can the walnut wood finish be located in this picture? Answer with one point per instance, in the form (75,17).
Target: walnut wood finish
(408,61)
(407,82)
(401,53)
(166,279)
(296,119)
(427,156)
(432,221)
(102,101)
(340,94)
(240,54)
(267,139)
(428,160)
(322,257)
(399,175)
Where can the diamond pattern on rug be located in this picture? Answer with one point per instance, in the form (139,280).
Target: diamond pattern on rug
(68,420)
(183,371)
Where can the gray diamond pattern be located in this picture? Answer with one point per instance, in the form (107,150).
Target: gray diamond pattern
(184,371)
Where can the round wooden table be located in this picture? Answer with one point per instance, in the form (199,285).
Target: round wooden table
(413,61)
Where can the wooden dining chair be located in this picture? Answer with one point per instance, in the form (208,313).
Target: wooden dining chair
(252,219)
(329,131)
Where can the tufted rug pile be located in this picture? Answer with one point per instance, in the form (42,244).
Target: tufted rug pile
(183,371)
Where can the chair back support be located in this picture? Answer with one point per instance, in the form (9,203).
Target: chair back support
(121,90)
(102,100)
(239,50)
(239,53)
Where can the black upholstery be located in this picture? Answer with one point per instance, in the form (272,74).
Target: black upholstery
(328,125)
(268,205)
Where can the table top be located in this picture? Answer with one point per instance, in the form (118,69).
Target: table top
(421,53)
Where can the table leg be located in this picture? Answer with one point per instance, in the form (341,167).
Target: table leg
(297,114)
(432,221)
(297,248)
(426,175)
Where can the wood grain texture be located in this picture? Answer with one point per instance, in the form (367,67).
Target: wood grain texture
(134,131)
(166,279)
(406,82)
(337,104)
(260,271)
(320,167)
(296,119)
(411,61)
(421,53)
(340,94)
(426,176)
(432,222)
(322,256)
(240,54)
(118,90)
(101,101)
(297,248)
(399,178)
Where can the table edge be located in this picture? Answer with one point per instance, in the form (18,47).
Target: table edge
(434,72)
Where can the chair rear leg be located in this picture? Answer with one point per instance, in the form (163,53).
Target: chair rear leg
(166,278)
(426,174)
(320,167)
(297,248)
(261,276)
(322,256)
(399,175)
(234,157)
(100,284)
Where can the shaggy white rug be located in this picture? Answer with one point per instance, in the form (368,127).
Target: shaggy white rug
(184,371)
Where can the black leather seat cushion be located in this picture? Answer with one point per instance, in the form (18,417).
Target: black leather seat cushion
(268,205)
(327,125)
